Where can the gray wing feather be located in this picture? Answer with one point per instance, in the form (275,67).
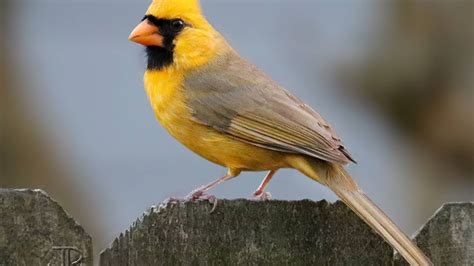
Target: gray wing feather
(235,98)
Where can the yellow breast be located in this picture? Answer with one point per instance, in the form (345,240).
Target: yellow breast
(168,101)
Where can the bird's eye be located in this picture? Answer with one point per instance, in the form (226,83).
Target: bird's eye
(177,25)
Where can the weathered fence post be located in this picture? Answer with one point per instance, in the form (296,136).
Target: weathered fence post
(35,230)
(280,232)
(448,237)
(249,232)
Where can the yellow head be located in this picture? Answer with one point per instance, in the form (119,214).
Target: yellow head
(176,35)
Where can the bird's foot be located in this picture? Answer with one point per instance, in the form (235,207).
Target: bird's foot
(262,195)
(199,195)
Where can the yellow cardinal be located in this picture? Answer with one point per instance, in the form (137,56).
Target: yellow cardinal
(228,111)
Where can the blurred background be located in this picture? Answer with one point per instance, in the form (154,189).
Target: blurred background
(394,78)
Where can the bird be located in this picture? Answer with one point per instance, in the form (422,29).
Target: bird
(231,113)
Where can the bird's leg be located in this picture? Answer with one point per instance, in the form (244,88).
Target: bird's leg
(260,194)
(199,193)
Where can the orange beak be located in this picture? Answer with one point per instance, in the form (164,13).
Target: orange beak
(146,34)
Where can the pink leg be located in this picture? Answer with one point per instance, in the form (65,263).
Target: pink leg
(199,193)
(259,193)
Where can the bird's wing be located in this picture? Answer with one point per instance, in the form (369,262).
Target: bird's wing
(235,98)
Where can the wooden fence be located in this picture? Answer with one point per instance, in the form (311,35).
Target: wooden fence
(35,230)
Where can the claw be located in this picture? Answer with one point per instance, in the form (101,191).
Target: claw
(262,196)
(198,195)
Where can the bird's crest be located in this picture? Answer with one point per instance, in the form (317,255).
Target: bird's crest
(170,9)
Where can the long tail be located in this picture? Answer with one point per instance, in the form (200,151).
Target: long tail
(379,221)
(338,180)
